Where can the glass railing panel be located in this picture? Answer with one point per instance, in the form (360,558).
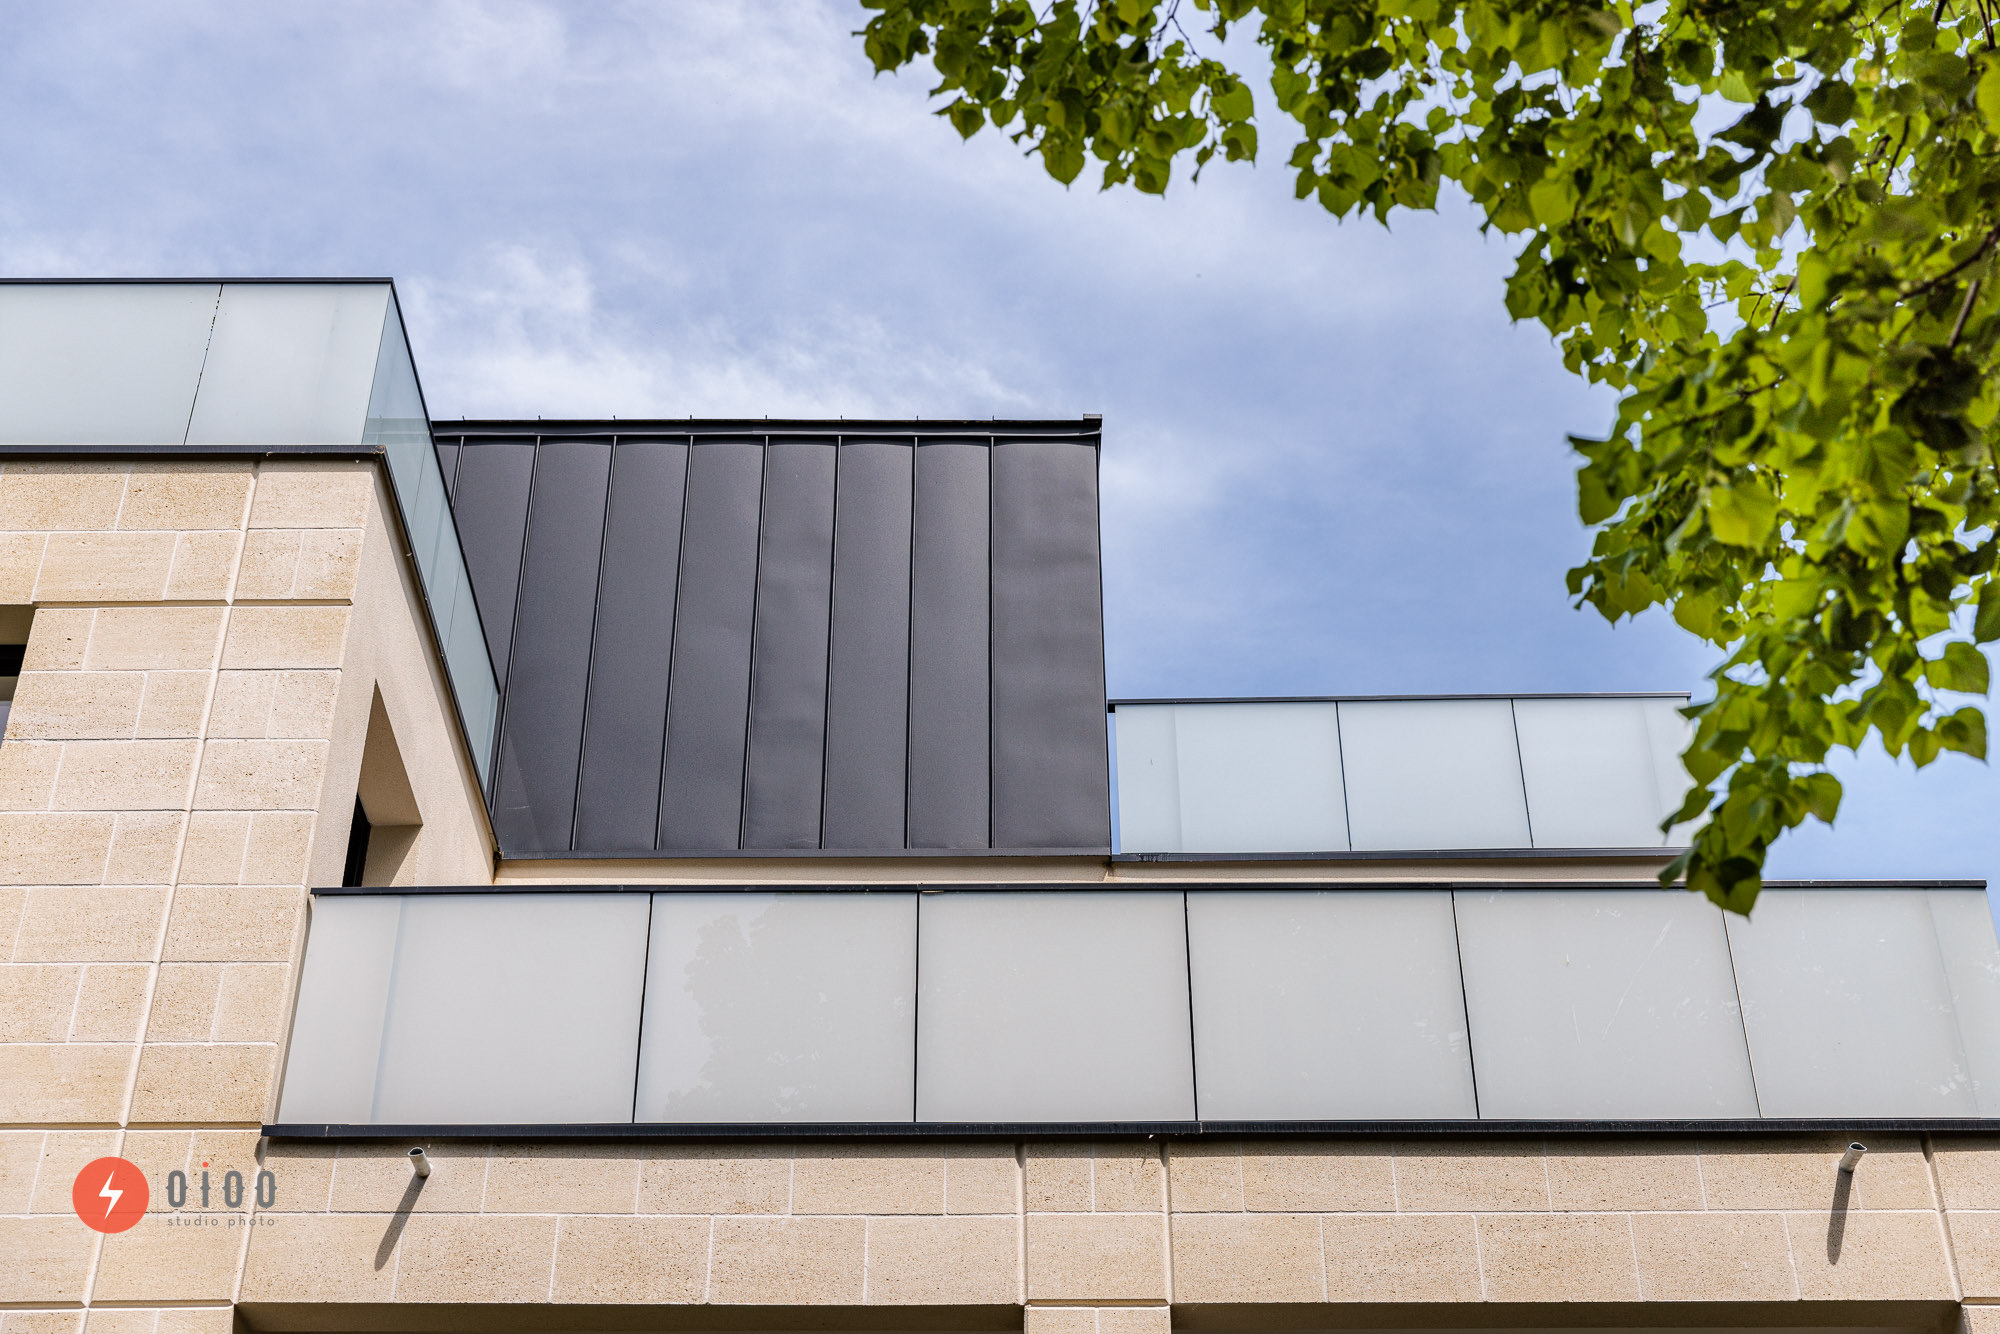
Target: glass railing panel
(1327,1005)
(101,363)
(1061,1006)
(1432,774)
(780,1007)
(1594,773)
(396,423)
(1611,1004)
(1847,1005)
(290,364)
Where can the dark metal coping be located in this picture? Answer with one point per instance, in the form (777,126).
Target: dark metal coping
(1057,887)
(1102,1129)
(1083,429)
(1373,699)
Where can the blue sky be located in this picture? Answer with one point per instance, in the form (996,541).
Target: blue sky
(1331,465)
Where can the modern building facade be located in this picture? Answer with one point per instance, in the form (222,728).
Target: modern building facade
(710,844)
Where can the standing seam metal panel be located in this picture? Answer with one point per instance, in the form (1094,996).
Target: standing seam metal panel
(869,660)
(541,738)
(781,785)
(490,501)
(618,793)
(1050,784)
(701,788)
(950,780)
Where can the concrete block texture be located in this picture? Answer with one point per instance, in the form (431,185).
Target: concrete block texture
(944,1261)
(48,1259)
(1975,1240)
(788,1261)
(1248,1258)
(716,1179)
(1096,1257)
(456,1258)
(1558,1258)
(1402,1257)
(173,1257)
(635,1260)
(867,1179)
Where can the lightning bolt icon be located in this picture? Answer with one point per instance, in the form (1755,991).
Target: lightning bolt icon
(111,1195)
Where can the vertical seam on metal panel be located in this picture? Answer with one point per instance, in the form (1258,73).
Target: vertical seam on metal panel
(916,987)
(910,652)
(992,787)
(1187,954)
(513,629)
(590,651)
(1340,760)
(1742,1013)
(645,972)
(1521,768)
(750,680)
(673,642)
(1464,1002)
(826,686)
(1103,666)
(207,345)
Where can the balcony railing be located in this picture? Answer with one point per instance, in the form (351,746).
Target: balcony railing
(1381,775)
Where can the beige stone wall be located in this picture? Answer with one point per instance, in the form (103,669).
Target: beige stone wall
(1101,1237)
(179,765)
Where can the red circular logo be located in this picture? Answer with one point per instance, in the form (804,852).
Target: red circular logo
(110,1195)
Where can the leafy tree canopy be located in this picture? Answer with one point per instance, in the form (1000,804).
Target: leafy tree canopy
(1768,224)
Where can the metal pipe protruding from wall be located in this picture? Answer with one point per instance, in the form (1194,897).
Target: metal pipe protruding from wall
(423,1164)
(1852,1158)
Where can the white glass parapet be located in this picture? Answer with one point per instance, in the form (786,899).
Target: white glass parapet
(249,367)
(1146,1006)
(1314,776)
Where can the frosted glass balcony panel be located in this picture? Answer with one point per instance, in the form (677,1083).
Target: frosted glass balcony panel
(290,364)
(1327,1005)
(1260,778)
(1592,772)
(1149,784)
(1610,1004)
(1964,922)
(1055,1007)
(101,363)
(513,1008)
(343,997)
(780,1007)
(1847,1005)
(1432,774)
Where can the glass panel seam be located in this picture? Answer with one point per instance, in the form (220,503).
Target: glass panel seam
(215,313)
(1465,1002)
(1521,768)
(1187,958)
(645,976)
(1742,1013)
(826,685)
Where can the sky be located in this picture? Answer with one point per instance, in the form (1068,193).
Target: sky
(1331,465)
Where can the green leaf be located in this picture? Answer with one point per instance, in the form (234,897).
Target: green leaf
(1961,667)
(1552,200)
(1742,515)
(1986,620)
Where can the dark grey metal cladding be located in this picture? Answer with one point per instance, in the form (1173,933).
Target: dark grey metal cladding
(850,637)
(868,667)
(447,453)
(490,501)
(950,722)
(781,783)
(1048,649)
(541,728)
(618,792)
(701,794)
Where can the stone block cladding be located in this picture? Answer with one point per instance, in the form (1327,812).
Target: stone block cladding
(179,765)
